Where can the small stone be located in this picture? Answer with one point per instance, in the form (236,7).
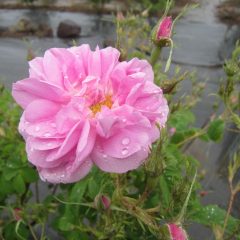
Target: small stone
(68,29)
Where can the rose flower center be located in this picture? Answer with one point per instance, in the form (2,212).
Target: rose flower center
(97,107)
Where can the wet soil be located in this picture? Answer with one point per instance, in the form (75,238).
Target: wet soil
(229,12)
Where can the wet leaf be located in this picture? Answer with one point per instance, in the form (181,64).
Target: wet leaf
(216,129)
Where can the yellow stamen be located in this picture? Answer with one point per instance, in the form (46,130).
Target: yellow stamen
(97,107)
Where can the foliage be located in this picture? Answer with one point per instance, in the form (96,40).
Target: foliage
(141,200)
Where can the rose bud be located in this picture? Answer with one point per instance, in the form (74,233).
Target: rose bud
(17,214)
(173,231)
(102,202)
(177,232)
(163,32)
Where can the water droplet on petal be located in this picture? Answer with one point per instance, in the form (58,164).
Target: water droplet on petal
(53,125)
(88,163)
(144,149)
(124,151)
(69,167)
(124,120)
(65,77)
(99,149)
(37,128)
(49,144)
(47,135)
(125,141)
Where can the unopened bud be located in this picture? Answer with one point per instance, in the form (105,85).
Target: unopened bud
(30,54)
(176,232)
(120,16)
(17,214)
(172,131)
(102,202)
(173,231)
(162,32)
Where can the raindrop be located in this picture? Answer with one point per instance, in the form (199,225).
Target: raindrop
(37,128)
(69,167)
(88,163)
(99,149)
(47,135)
(49,144)
(65,77)
(124,120)
(124,151)
(53,125)
(125,141)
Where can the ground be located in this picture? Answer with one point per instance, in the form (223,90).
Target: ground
(229,11)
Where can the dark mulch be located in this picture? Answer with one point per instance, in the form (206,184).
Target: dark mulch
(229,11)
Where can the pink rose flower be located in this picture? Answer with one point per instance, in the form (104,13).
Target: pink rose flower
(164,30)
(84,107)
(177,232)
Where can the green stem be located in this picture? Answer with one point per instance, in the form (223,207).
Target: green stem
(37,192)
(155,55)
(168,63)
(32,232)
(184,208)
(43,231)
(230,204)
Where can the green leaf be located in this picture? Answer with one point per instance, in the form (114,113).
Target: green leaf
(212,215)
(29,174)
(64,225)
(19,184)
(74,235)
(9,231)
(216,129)
(93,188)
(180,136)
(165,193)
(204,137)
(181,119)
(10,173)
(78,191)
(5,187)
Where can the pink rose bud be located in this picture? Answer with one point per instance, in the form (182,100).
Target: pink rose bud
(177,232)
(172,131)
(165,28)
(162,32)
(17,214)
(120,16)
(106,201)
(102,202)
(30,54)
